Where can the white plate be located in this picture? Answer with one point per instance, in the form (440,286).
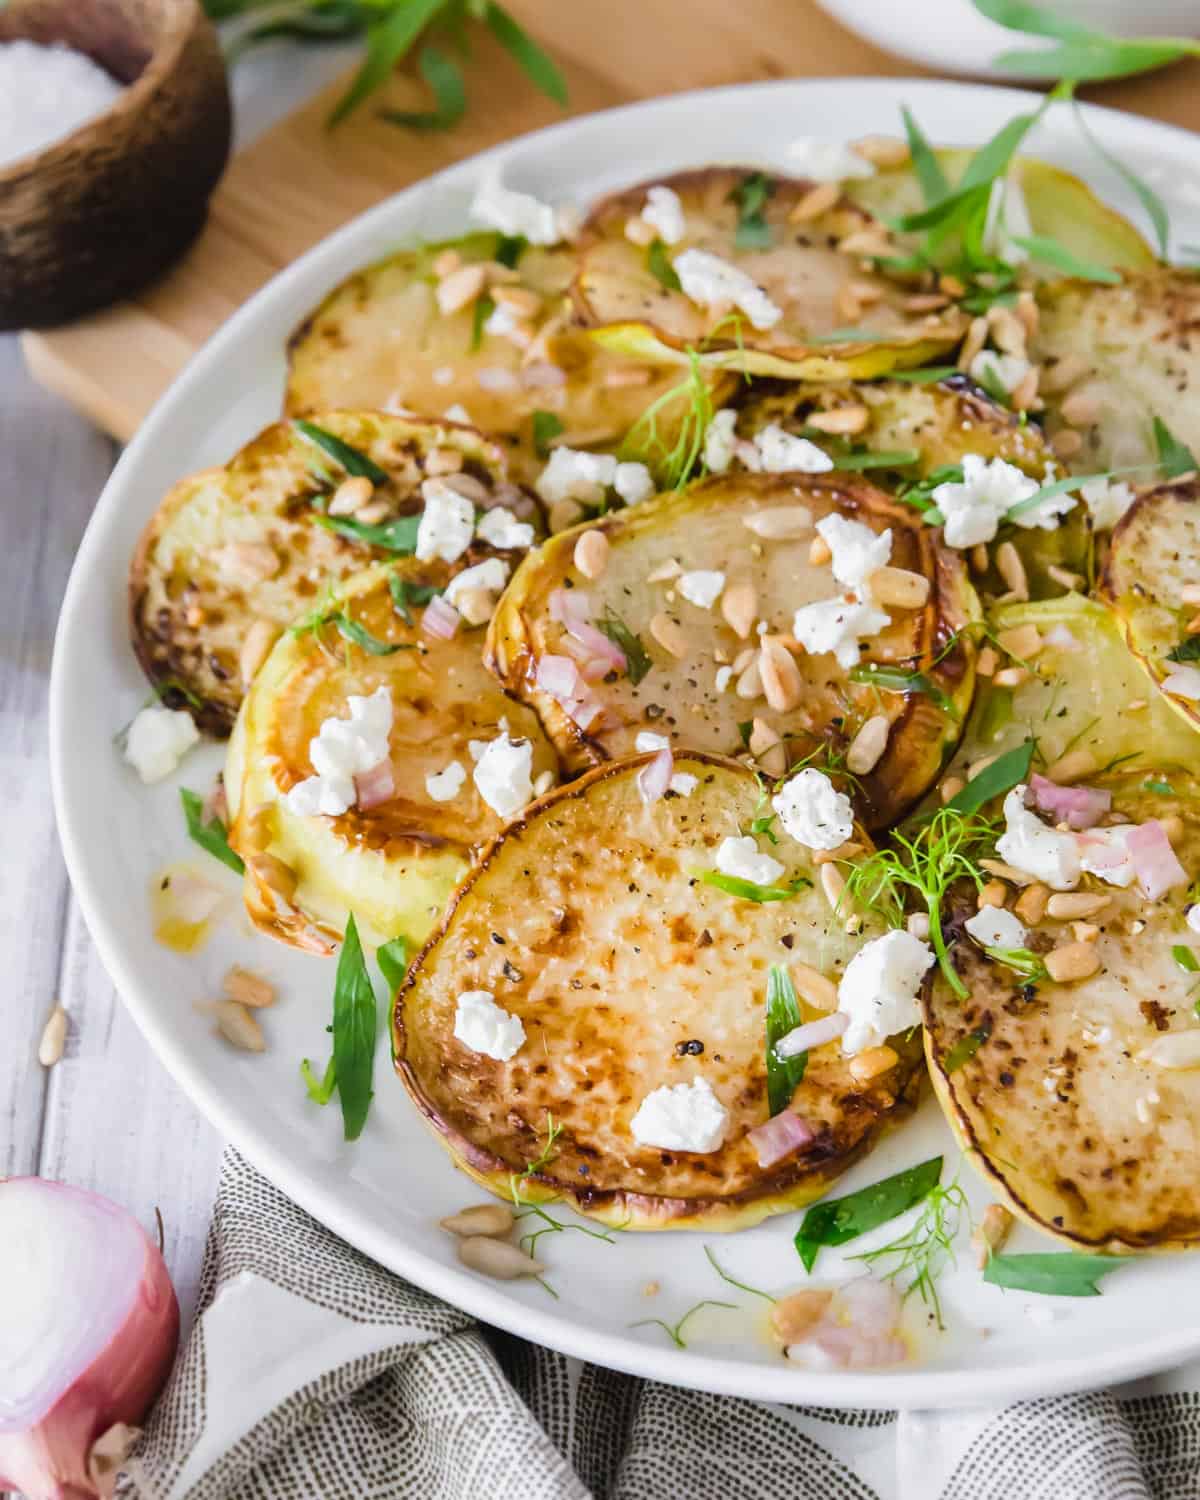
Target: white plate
(385,1193)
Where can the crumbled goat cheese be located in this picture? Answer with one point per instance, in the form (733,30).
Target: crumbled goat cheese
(1183,681)
(447,522)
(515,213)
(857,551)
(681,1117)
(46,93)
(683,783)
(838,625)
(443,375)
(781,452)
(1030,846)
(485,1027)
(157,741)
(813,811)
(724,676)
(663,212)
(720,437)
(573,474)
(1004,370)
(742,858)
(701,588)
(458,413)
(973,508)
(1105,852)
(1193,917)
(633,482)
(503,323)
(341,750)
(879,990)
(1007,221)
(500,528)
(491,575)
(502,774)
(647,741)
(826,161)
(445,785)
(1107,501)
(711,281)
(997,927)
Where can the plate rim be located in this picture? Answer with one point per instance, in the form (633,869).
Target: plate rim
(901,1388)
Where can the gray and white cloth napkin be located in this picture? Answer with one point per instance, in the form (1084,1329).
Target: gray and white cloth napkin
(314,1374)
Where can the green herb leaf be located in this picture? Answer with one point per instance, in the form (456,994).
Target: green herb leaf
(732,1280)
(783,1015)
(353,460)
(1187,650)
(1186,958)
(398,536)
(392,958)
(405,594)
(842,1219)
(1004,773)
(509,250)
(929,174)
(1156,209)
(751,196)
(1051,253)
(546,427)
(747,890)
(540,69)
(320,1090)
(1062,1274)
(659,265)
(1173,457)
(926,1248)
(896,680)
(388,41)
(1022,961)
(449,89)
(965,1048)
(482,310)
(1163,788)
(865,458)
(354,1017)
(1093,61)
(211,836)
(928,376)
(637,661)
(674,1331)
(847,335)
(360,636)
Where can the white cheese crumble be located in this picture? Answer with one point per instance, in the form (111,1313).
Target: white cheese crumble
(681,1117)
(813,811)
(573,474)
(458,413)
(702,587)
(826,161)
(500,528)
(444,375)
(663,212)
(683,783)
(1105,852)
(1193,917)
(1106,501)
(341,750)
(157,741)
(857,551)
(880,988)
(490,575)
(973,508)
(997,927)
(711,281)
(445,785)
(742,858)
(720,437)
(1007,220)
(647,741)
(1004,370)
(633,482)
(503,323)
(514,213)
(1030,846)
(485,1027)
(447,522)
(1183,681)
(782,452)
(502,774)
(838,625)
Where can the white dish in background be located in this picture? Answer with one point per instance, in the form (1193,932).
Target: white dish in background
(385,1193)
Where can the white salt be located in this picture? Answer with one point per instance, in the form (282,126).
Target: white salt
(45,94)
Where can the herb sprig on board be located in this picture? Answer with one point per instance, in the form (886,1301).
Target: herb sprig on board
(839,1220)
(210,834)
(354,1022)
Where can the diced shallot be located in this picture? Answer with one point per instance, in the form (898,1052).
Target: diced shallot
(1184,682)
(1154,861)
(542,375)
(440,620)
(191,899)
(592,668)
(584,712)
(812,1034)
(655,776)
(496,378)
(376,786)
(779,1137)
(598,645)
(1078,807)
(558,676)
(569,605)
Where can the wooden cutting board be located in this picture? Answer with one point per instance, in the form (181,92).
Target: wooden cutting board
(300,181)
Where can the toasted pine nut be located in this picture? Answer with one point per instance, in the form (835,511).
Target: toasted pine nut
(54,1038)
(460,288)
(951,285)
(1071,962)
(542,783)
(1066,442)
(1172,826)
(840,419)
(497,1258)
(976,338)
(987,662)
(749,684)
(1031,904)
(1012,570)
(833,884)
(622,377)
(867,292)
(652,1289)
(994,1228)
(977,767)
(951,788)
(899,587)
(274,874)
(739,605)
(476,606)
(819,990)
(918,924)
(1085,932)
(980,560)
(794,1315)
(639,232)
(767,748)
(1010,873)
(1011,677)
(563,514)
(351,495)
(1063,576)
(1026,310)
(520,301)
(373,512)
(1064,373)
(848,850)
(237,1025)
(819,552)
(882,150)
(871,241)
(868,745)
(781,679)
(481,1218)
(1007,330)
(440,461)
(1080,409)
(846,305)
(1176,1049)
(1022,641)
(248,989)
(1073,766)
(669,634)
(817,201)
(247,562)
(871,1063)
(994,893)
(780,524)
(925,302)
(1190,594)
(591,553)
(743,659)
(256,647)
(665,572)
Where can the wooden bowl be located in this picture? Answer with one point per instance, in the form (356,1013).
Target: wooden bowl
(91,218)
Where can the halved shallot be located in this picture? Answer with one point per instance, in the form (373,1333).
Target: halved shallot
(440,620)
(1154,861)
(654,778)
(376,786)
(779,1137)
(1078,807)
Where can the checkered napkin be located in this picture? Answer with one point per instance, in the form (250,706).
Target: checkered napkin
(314,1374)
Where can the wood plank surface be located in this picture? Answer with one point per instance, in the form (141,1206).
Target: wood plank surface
(299,181)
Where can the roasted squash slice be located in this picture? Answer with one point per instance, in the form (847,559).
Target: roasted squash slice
(588,921)
(231,547)
(1080,1103)
(380,340)
(1153,562)
(691,673)
(393,864)
(799,267)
